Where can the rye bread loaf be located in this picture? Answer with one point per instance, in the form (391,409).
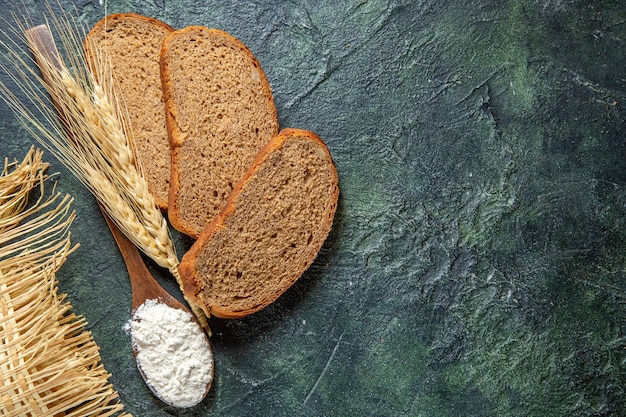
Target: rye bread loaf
(269,232)
(131,45)
(220,114)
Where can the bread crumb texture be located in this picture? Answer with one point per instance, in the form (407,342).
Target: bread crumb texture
(271,231)
(221,115)
(131,46)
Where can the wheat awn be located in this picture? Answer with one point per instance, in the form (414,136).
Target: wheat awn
(82,122)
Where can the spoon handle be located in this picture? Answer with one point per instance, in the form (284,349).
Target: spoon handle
(144,286)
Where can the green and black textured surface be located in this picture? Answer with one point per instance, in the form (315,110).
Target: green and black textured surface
(477,262)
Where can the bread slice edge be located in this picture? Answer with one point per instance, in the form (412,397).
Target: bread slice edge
(176,134)
(188,272)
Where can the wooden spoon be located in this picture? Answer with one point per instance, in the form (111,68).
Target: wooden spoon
(144,287)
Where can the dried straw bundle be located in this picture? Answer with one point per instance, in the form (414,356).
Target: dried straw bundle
(81,121)
(14,188)
(49,364)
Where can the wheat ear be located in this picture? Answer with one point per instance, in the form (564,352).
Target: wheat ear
(81,122)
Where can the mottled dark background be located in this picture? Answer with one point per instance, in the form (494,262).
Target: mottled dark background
(477,261)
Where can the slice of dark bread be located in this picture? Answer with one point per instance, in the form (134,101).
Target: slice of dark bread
(269,232)
(131,45)
(220,114)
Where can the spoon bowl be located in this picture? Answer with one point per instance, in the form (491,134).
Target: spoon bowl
(144,287)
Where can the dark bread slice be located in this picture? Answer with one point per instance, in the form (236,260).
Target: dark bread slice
(131,45)
(270,230)
(220,114)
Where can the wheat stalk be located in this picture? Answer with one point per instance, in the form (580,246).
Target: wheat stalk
(80,121)
(49,363)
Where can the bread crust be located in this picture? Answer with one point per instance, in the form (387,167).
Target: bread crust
(91,59)
(193,282)
(177,135)
(119,16)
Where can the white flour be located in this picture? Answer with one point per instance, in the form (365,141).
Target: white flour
(173,353)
